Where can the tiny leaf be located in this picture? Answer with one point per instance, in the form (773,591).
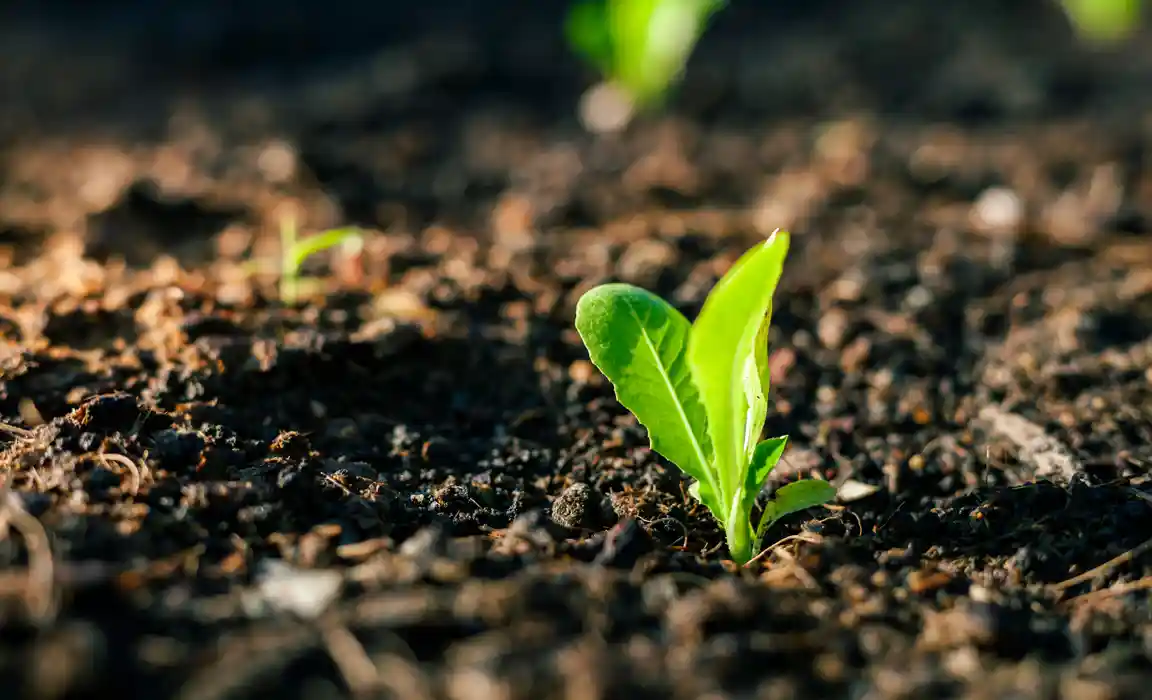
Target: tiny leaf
(638,340)
(303,249)
(795,497)
(764,460)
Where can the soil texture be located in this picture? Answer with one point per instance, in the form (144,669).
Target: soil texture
(413,484)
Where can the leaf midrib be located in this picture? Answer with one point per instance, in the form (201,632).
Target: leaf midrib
(705,466)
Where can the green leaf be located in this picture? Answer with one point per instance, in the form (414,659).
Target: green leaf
(721,348)
(652,40)
(762,354)
(588,32)
(638,341)
(1104,21)
(795,497)
(628,23)
(764,459)
(301,250)
(756,380)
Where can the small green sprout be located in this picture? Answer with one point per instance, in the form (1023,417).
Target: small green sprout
(641,46)
(294,251)
(701,389)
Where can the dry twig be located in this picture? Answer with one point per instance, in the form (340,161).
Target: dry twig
(134,470)
(1107,566)
(360,674)
(1141,584)
(40,583)
(16,430)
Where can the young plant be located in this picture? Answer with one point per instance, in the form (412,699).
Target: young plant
(641,46)
(1104,21)
(294,251)
(701,389)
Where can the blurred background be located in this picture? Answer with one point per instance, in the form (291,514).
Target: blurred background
(136,121)
(73,62)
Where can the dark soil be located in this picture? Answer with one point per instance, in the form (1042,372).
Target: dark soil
(416,486)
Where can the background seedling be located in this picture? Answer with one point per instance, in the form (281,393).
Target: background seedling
(1104,21)
(701,389)
(294,251)
(641,46)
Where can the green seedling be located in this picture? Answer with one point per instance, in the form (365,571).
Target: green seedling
(641,46)
(1104,21)
(294,251)
(701,389)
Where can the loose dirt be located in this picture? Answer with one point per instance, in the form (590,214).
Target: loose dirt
(414,485)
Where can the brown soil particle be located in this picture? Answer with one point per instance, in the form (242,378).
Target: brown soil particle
(414,485)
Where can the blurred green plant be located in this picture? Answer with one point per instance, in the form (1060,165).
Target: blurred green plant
(1103,21)
(294,251)
(640,46)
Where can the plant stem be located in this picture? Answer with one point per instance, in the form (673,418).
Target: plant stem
(288,267)
(740,541)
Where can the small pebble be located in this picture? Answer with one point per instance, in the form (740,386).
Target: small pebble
(574,508)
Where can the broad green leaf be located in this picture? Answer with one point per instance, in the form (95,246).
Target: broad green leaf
(764,459)
(638,341)
(722,344)
(795,497)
